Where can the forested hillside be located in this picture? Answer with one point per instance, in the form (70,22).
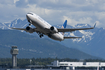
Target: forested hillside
(31,46)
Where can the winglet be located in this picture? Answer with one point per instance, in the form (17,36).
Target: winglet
(94,25)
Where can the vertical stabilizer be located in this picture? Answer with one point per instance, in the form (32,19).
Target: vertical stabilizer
(64,26)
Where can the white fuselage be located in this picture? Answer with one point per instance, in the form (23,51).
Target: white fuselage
(42,25)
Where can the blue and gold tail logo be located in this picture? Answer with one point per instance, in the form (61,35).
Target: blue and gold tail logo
(65,24)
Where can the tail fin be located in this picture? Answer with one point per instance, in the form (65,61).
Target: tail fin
(64,26)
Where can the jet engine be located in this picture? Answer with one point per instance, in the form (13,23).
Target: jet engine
(53,29)
(29,29)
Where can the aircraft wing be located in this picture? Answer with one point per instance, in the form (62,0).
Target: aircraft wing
(70,30)
(24,29)
(19,29)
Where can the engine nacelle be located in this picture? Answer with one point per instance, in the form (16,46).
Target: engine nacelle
(53,29)
(29,29)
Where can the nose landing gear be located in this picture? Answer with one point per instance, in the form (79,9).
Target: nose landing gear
(30,22)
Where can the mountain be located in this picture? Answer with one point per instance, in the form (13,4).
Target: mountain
(32,46)
(92,41)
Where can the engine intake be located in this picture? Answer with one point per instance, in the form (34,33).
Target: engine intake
(29,29)
(53,29)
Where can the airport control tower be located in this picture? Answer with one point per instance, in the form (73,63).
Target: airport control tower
(14,52)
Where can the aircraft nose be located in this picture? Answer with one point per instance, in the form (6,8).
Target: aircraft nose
(27,16)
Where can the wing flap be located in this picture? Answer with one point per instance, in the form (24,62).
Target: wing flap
(71,37)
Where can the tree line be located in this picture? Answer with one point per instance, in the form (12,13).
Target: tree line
(42,61)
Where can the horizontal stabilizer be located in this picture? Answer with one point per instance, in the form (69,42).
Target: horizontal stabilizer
(71,37)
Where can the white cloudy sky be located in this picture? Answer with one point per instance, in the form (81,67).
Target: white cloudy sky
(56,11)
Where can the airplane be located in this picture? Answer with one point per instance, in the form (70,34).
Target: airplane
(44,28)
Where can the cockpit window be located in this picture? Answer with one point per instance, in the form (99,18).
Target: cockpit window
(30,13)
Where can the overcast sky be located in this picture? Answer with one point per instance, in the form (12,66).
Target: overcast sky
(56,11)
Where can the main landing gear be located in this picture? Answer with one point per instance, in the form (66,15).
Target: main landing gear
(40,34)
